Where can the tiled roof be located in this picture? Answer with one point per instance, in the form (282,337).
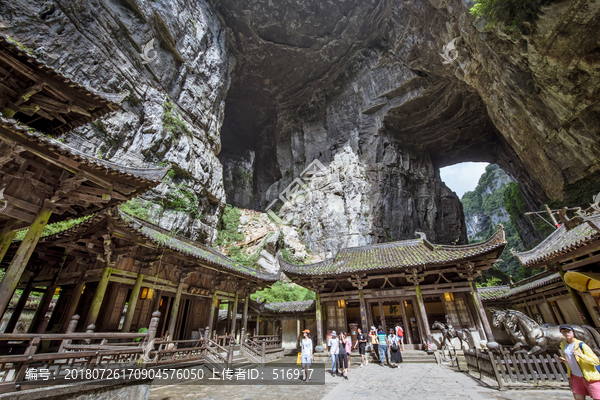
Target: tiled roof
(153,175)
(401,254)
(559,242)
(291,306)
(185,246)
(84,104)
(223,315)
(504,292)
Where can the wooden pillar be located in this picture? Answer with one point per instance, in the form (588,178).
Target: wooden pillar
(234,314)
(38,325)
(14,318)
(74,302)
(426,329)
(175,310)
(363,313)
(583,311)
(319,318)
(228,320)
(245,315)
(481,312)
(382,316)
(21,258)
(257,324)
(211,319)
(133,299)
(6,237)
(98,297)
(407,329)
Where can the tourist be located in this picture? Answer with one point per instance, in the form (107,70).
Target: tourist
(349,350)
(394,343)
(400,333)
(383,346)
(334,350)
(343,355)
(361,342)
(307,353)
(581,365)
(374,342)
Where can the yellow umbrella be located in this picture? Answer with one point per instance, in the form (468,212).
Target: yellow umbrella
(583,281)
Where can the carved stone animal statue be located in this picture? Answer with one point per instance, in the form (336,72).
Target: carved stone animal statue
(449,334)
(499,321)
(547,337)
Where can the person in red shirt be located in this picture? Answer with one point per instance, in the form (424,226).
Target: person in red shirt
(400,334)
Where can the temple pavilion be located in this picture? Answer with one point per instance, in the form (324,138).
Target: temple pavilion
(412,283)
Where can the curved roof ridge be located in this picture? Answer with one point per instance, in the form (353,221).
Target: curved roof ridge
(195,249)
(498,237)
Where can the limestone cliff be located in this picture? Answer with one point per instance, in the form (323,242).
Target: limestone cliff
(173,105)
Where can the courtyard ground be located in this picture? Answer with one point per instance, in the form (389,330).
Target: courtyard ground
(409,381)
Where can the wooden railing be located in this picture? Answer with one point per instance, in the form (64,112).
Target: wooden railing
(271,341)
(253,351)
(506,368)
(89,351)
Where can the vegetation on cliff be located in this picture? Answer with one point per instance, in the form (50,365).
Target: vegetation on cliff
(497,200)
(281,291)
(512,15)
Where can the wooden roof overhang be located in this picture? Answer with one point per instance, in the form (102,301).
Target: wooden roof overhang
(575,248)
(397,264)
(42,98)
(37,171)
(111,235)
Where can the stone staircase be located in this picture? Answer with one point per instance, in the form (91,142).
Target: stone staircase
(408,356)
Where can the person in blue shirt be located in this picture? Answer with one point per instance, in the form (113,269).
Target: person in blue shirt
(334,350)
(383,345)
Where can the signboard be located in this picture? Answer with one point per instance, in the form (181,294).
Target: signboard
(200,291)
(388,293)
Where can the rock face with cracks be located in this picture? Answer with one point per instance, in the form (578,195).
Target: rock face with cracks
(174,105)
(359,85)
(371,76)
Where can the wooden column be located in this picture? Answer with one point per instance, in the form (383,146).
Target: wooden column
(175,310)
(481,312)
(382,316)
(427,330)
(319,320)
(133,299)
(38,325)
(245,315)
(6,237)
(234,314)
(21,258)
(73,302)
(211,319)
(407,329)
(363,313)
(98,297)
(14,318)
(583,311)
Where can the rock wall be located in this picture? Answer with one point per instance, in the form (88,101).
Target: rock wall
(174,105)
(373,78)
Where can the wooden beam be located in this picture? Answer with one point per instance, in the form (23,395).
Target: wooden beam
(21,258)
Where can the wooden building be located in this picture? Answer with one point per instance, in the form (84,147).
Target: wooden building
(411,282)
(570,289)
(114,270)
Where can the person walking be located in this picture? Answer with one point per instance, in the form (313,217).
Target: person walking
(581,365)
(400,333)
(307,353)
(374,341)
(348,349)
(394,343)
(361,342)
(383,346)
(343,355)
(334,350)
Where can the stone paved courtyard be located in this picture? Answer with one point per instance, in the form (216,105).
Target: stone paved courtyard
(409,381)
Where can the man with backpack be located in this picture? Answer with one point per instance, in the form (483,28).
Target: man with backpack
(400,334)
(582,365)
